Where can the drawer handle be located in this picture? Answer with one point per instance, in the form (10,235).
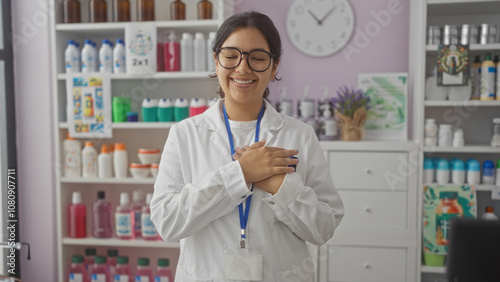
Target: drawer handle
(368,209)
(368,171)
(367,265)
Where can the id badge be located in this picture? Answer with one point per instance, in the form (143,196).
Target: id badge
(242,264)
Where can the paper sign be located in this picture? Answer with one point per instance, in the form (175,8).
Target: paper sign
(140,46)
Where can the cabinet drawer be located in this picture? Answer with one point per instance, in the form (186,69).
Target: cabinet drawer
(369,170)
(370,264)
(377,210)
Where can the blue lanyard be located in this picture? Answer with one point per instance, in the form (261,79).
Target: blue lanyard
(243,215)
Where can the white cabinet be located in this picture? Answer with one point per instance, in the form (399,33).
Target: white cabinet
(377,238)
(474,117)
(135,135)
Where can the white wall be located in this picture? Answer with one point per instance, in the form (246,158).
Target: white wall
(34,138)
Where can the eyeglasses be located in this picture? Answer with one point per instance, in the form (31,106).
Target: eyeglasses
(257,60)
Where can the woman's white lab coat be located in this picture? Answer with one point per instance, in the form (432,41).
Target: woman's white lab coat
(199,188)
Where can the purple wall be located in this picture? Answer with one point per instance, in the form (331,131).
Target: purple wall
(384,49)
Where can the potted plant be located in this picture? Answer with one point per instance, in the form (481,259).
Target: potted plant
(351,107)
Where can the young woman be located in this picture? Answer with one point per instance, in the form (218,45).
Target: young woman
(245,214)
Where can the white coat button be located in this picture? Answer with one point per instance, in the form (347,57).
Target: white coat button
(271,202)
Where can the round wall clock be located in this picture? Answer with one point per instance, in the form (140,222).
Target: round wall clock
(320,28)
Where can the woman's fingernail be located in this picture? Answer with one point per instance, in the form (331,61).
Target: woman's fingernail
(296,151)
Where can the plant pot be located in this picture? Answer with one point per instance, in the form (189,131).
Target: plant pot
(352,128)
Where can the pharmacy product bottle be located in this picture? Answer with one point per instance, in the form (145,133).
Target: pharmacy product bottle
(149,110)
(187,63)
(89,258)
(458,138)
(101,211)
(136,206)
(163,271)
(72,152)
(495,132)
(166,110)
(77,271)
(428,171)
(160,43)
(197,106)
(488,70)
(123,272)
(77,216)
(111,261)
(181,109)
(148,231)
(72,57)
(145,10)
(177,10)
(111,153)
(443,172)
(143,272)
(327,125)
(172,53)
(121,10)
(119,57)
(432,90)
(497,173)
(476,78)
(98,11)
(89,160)
(72,11)
(120,160)
(445,136)
(95,55)
(489,214)
(204,8)
(104,162)
(87,56)
(106,57)
(124,219)
(210,52)
(200,52)
(99,271)
(431,132)
(284,106)
(458,172)
(488,173)
(473,172)
(447,209)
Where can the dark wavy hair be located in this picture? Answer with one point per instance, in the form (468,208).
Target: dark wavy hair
(245,20)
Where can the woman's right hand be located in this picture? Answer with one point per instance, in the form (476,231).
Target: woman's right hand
(259,162)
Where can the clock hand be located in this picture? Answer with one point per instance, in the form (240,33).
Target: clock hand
(314,16)
(327,14)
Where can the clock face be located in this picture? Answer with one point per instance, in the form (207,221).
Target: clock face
(320,27)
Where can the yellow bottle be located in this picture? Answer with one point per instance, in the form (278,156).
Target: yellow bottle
(488,70)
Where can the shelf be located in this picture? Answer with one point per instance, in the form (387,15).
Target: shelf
(479,187)
(466,7)
(132,125)
(128,180)
(434,269)
(472,47)
(465,103)
(463,150)
(199,25)
(157,75)
(114,242)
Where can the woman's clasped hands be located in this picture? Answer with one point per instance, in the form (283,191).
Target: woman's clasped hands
(265,167)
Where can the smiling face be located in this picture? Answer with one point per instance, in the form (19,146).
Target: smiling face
(242,86)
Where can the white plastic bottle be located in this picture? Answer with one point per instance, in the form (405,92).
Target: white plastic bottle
(119,65)
(104,162)
(187,63)
(72,157)
(88,59)
(210,52)
(488,70)
(428,171)
(489,214)
(473,172)
(199,51)
(458,172)
(120,160)
(443,172)
(95,55)
(106,57)
(72,57)
(431,132)
(89,160)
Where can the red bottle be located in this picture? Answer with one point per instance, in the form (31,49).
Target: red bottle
(172,54)
(77,214)
(143,272)
(77,270)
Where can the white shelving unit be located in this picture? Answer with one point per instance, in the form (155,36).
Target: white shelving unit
(474,117)
(136,134)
